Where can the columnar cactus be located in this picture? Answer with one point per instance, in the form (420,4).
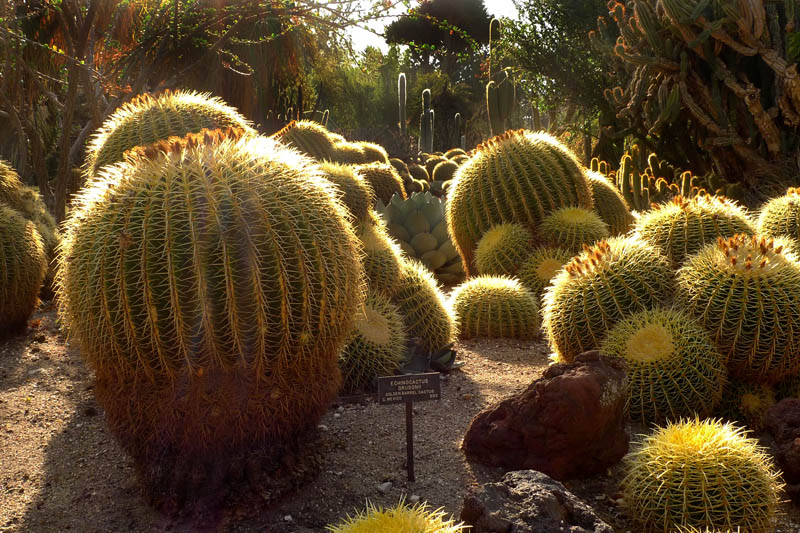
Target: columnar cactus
(495,306)
(519,177)
(701,473)
(500,97)
(211,283)
(674,369)
(426,123)
(147,119)
(600,287)
(681,227)
(746,292)
(23,263)
(401,97)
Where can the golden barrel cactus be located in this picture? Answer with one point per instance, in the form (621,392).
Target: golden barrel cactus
(211,283)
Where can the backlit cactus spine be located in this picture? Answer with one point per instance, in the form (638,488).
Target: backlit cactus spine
(211,283)
(426,124)
(401,96)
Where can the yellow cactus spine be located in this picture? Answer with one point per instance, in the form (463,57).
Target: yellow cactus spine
(495,306)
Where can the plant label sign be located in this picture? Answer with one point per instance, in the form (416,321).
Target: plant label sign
(409,388)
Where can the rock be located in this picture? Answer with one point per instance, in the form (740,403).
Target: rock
(569,423)
(527,501)
(782,421)
(414,499)
(385,487)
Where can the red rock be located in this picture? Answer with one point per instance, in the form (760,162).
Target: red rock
(569,423)
(783,422)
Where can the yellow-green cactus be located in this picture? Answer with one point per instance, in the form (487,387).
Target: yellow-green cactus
(518,176)
(23,263)
(377,345)
(541,266)
(747,403)
(571,228)
(308,136)
(609,203)
(427,316)
(495,306)
(348,153)
(600,287)
(147,119)
(681,227)
(503,249)
(383,179)
(781,216)
(374,153)
(211,283)
(701,473)
(382,256)
(746,292)
(674,369)
(401,518)
(351,188)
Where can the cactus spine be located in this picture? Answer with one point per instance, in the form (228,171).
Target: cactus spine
(495,306)
(426,124)
(401,96)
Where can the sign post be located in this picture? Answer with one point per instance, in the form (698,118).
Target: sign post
(408,389)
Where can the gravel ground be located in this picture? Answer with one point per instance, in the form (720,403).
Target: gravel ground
(60,469)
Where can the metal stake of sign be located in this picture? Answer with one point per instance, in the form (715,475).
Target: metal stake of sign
(408,389)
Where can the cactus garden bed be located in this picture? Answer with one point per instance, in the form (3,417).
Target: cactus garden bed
(61,470)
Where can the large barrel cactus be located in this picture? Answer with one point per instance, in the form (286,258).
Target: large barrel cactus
(746,292)
(518,176)
(147,119)
(211,283)
(22,268)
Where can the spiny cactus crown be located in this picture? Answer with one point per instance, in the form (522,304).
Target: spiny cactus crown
(753,255)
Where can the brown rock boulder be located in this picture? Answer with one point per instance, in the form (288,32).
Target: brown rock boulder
(569,423)
(783,423)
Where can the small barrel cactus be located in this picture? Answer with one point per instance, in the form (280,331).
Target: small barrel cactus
(23,263)
(382,257)
(781,216)
(148,119)
(503,249)
(681,227)
(400,518)
(518,176)
(377,345)
(601,286)
(348,153)
(308,136)
(427,316)
(419,226)
(495,306)
(383,179)
(746,292)
(211,283)
(674,369)
(571,228)
(609,203)
(701,473)
(541,266)
(747,403)
(374,153)
(354,192)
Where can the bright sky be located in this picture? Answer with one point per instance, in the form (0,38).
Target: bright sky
(363,38)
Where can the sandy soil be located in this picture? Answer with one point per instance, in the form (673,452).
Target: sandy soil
(60,469)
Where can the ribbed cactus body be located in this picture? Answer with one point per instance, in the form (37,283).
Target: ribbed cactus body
(352,190)
(495,306)
(374,153)
(503,249)
(418,172)
(384,179)
(309,137)
(781,216)
(147,119)
(746,293)
(747,403)
(377,345)
(382,257)
(425,313)
(674,370)
(701,473)
(519,177)
(681,227)
(348,153)
(211,284)
(609,203)
(23,262)
(541,266)
(402,517)
(571,228)
(600,287)
(444,170)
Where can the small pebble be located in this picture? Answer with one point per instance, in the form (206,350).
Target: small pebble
(336,415)
(414,499)
(322,427)
(287,518)
(385,487)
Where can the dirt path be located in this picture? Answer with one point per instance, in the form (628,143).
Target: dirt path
(60,469)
